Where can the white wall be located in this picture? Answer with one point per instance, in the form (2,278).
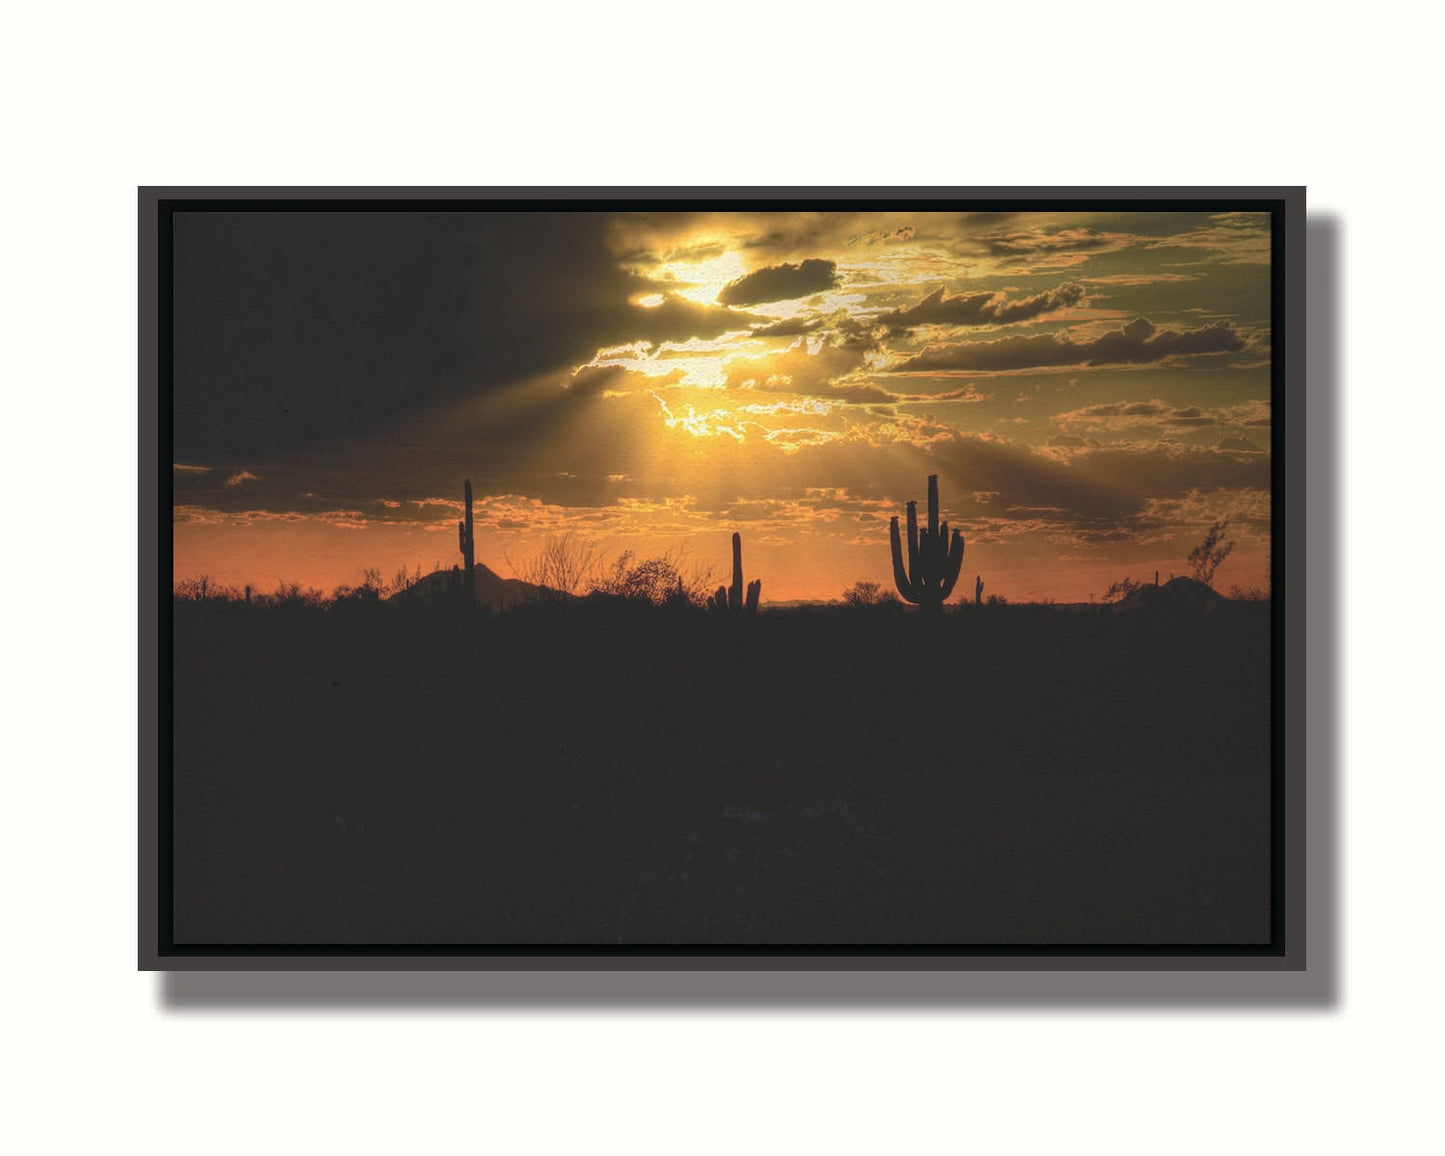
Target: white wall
(98,101)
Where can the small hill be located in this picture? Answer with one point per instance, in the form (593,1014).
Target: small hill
(493,591)
(1176,594)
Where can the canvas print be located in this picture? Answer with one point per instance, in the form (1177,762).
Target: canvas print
(612,575)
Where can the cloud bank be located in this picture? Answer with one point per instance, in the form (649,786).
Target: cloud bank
(1140,342)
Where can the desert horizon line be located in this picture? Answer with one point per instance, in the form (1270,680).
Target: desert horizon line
(1058,578)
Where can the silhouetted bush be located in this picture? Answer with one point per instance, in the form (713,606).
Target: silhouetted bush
(202,589)
(565,566)
(1205,558)
(862,595)
(659,581)
(1121,589)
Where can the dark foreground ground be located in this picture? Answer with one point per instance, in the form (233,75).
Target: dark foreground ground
(1007,775)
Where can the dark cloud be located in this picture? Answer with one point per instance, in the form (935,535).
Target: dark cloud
(1239,445)
(966,393)
(1062,246)
(781,283)
(883,236)
(791,327)
(1191,416)
(1121,409)
(1156,413)
(855,334)
(989,308)
(1138,343)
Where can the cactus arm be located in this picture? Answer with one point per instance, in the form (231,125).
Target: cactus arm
(900,575)
(912,537)
(739,598)
(735,591)
(954,564)
(933,506)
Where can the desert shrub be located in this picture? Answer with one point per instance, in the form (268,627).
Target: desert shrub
(1121,590)
(289,593)
(659,580)
(403,580)
(1249,594)
(372,588)
(203,589)
(862,594)
(350,595)
(1205,558)
(192,589)
(564,566)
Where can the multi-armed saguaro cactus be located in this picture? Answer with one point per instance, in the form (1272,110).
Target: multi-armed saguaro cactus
(933,563)
(732,597)
(467,546)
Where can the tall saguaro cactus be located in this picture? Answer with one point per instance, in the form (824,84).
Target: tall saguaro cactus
(933,563)
(732,597)
(467,545)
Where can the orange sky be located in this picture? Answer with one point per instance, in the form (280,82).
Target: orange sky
(1093,390)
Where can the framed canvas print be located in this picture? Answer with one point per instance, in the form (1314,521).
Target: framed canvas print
(733,578)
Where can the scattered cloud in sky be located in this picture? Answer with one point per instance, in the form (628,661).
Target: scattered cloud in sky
(987,308)
(1049,248)
(1138,343)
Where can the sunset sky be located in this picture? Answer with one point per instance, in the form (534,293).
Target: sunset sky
(1092,388)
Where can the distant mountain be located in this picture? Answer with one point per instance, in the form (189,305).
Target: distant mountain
(493,591)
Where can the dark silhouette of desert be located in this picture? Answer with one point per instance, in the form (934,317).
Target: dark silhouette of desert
(493,763)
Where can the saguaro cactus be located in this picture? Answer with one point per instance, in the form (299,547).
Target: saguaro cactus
(732,597)
(467,545)
(933,563)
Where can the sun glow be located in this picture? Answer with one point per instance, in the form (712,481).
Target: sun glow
(704,279)
(702,425)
